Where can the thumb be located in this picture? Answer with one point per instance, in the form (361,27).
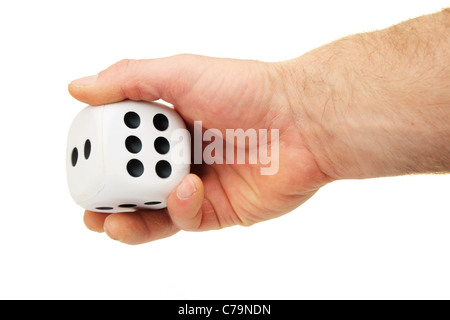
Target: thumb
(147,80)
(185,204)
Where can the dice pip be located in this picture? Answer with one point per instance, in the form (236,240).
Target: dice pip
(125,156)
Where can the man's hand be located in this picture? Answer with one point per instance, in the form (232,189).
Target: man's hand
(223,94)
(369,105)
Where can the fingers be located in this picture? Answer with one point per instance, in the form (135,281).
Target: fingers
(184,205)
(188,209)
(185,202)
(139,227)
(132,227)
(147,80)
(95,220)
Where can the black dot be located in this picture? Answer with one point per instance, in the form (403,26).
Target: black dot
(152,203)
(163,169)
(162,145)
(87,149)
(127,205)
(74,156)
(133,144)
(104,208)
(135,168)
(160,122)
(132,120)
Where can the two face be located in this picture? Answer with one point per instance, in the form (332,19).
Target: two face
(87,152)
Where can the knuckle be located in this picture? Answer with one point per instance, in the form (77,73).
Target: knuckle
(117,68)
(123,65)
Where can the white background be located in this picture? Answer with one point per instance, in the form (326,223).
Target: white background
(381,238)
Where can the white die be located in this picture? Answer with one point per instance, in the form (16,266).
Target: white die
(126,156)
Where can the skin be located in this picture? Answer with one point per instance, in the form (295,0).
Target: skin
(368,105)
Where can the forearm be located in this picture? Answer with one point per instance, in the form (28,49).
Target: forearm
(377,104)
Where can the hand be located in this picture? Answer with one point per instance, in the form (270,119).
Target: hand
(369,105)
(223,94)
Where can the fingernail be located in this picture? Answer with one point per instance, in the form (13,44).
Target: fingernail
(86,81)
(186,189)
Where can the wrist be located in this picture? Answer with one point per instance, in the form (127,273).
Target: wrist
(363,111)
(319,95)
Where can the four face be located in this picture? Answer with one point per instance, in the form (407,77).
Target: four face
(119,157)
